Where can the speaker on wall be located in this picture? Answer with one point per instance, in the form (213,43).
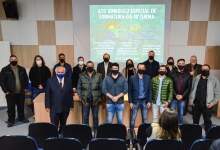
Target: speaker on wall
(10,8)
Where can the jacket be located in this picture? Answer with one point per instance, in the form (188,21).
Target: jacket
(39,75)
(58,99)
(76,73)
(186,86)
(7,79)
(133,88)
(83,87)
(166,89)
(213,89)
(101,68)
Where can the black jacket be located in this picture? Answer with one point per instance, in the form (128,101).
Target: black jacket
(39,75)
(101,68)
(197,69)
(152,68)
(76,72)
(187,83)
(58,99)
(7,79)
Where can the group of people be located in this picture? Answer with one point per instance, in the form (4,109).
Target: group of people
(147,85)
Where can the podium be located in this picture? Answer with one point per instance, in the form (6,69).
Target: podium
(75,115)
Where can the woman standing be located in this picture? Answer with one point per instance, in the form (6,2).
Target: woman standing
(129,69)
(39,74)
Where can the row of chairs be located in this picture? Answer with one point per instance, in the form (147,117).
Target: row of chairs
(83,133)
(28,143)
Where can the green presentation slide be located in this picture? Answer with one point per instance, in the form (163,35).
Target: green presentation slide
(127,31)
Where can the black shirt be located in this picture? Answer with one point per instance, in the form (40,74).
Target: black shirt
(201,93)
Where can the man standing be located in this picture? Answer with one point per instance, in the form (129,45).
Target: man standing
(115,87)
(62,62)
(152,65)
(193,68)
(162,92)
(104,67)
(90,89)
(139,93)
(14,80)
(181,82)
(58,97)
(77,70)
(204,95)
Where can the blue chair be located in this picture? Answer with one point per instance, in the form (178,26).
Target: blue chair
(81,132)
(62,144)
(17,143)
(41,131)
(213,133)
(190,133)
(112,131)
(201,144)
(163,144)
(107,144)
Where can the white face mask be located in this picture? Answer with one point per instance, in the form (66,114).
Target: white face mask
(39,62)
(81,63)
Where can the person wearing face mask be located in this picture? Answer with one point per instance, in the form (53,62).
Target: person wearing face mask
(114,87)
(205,93)
(152,65)
(62,62)
(162,92)
(170,66)
(90,89)
(193,68)
(181,84)
(77,70)
(59,98)
(39,74)
(104,67)
(13,81)
(139,93)
(129,69)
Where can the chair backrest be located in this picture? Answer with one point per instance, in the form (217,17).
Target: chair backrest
(107,144)
(163,144)
(144,131)
(190,133)
(201,144)
(112,131)
(81,132)
(42,131)
(17,143)
(62,144)
(213,133)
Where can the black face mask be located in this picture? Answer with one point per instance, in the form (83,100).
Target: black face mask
(13,63)
(162,73)
(115,72)
(106,59)
(151,57)
(205,73)
(140,71)
(170,63)
(130,65)
(90,69)
(62,60)
(180,67)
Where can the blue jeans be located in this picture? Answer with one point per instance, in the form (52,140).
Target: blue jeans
(35,92)
(115,108)
(134,111)
(180,106)
(95,112)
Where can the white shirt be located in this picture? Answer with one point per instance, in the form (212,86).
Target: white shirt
(106,67)
(158,101)
(62,81)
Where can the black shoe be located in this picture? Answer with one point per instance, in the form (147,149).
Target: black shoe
(10,124)
(23,120)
